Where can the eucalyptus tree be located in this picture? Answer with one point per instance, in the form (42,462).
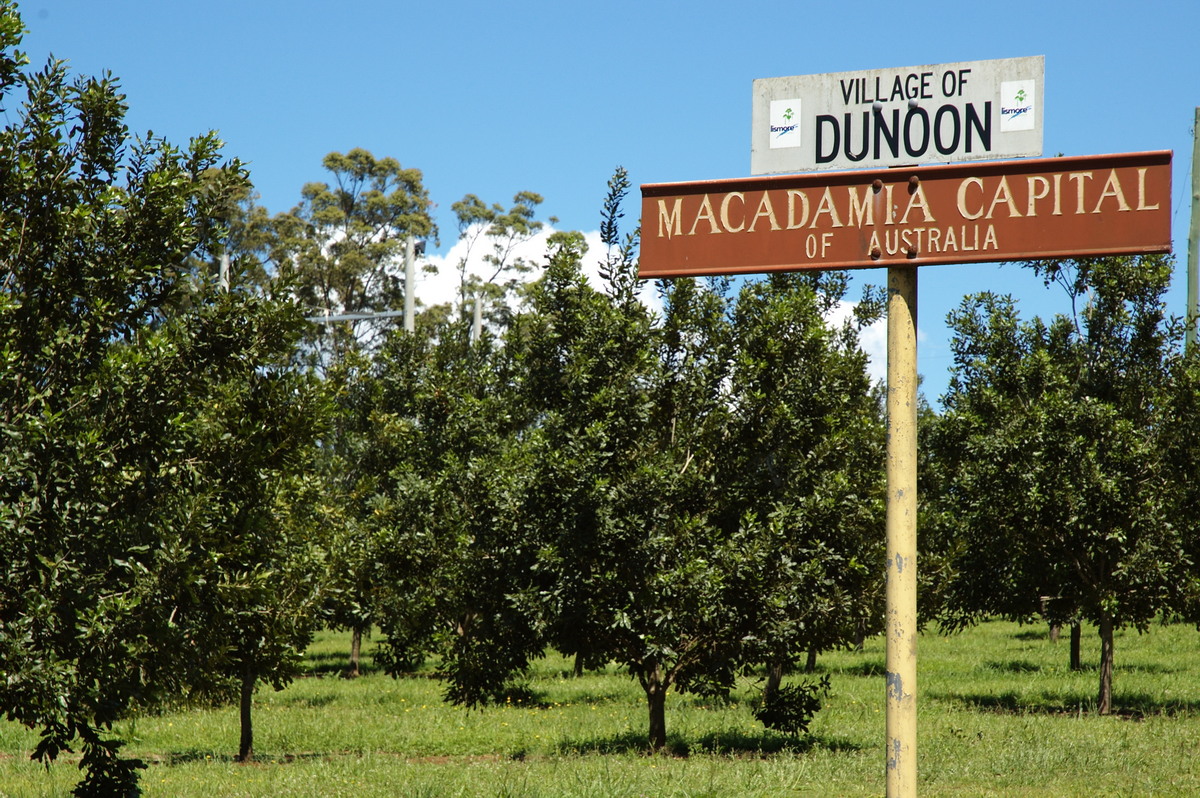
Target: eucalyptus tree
(342,246)
(504,270)
(117,367)
(1054,445)
(239,233)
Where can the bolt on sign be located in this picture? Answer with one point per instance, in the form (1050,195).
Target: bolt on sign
(958,213)
(941,113)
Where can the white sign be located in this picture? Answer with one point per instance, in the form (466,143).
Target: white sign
(941,113)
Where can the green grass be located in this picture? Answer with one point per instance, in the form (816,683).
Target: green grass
(1000,714)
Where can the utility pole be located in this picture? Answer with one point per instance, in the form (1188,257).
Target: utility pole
(410,294)
(477,310)
(1193,269)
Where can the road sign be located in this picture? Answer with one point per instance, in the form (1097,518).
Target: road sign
(961,213)
(940,113)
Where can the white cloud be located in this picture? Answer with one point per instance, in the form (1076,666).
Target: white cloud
(442,287)
(872,340)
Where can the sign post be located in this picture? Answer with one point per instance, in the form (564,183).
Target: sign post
(901,592)
(902,219)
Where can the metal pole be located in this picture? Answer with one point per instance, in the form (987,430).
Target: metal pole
(902,532)
(1193,270)
(410,293)
(477,318)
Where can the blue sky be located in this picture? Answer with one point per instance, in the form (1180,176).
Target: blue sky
(492,98)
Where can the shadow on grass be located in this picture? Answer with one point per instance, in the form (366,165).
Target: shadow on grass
(334,664)
(1149,667)
(714,702)
(310,702)
(519,695)
(865,668)
(191,755)
(592,697)
(1013,666)
(1141,705)
(1033,634)
(766,743)
(1132,706)
(730,743)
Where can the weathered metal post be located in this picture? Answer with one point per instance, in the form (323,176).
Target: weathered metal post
(1193,264)
(902,532)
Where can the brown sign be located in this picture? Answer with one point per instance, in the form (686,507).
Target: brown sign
(966,213)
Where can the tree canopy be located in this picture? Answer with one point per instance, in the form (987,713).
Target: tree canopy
(565,484)
(143,420)
(1054,448)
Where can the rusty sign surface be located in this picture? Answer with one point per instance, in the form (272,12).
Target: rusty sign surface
(962,213)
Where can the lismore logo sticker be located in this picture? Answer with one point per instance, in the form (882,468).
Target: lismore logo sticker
(1016,105)
(785,123)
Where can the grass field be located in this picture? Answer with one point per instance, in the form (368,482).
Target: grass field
(1000,715)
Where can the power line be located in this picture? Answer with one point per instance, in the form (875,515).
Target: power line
(385,314)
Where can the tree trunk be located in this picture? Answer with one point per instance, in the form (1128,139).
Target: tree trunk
(810,665)
(246,745)
(1055,626)
(1076,644)
(656,686)
(774,679)
(578,664)
(356,636)
(1104,703)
